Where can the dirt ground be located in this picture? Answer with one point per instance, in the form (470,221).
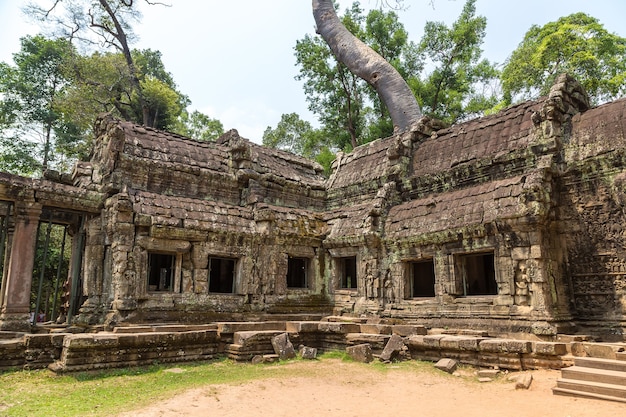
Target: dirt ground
(335,388)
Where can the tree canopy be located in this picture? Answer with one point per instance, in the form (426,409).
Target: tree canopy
(349,109)
(51,95)
(456,89)
(32,124)
(577,44)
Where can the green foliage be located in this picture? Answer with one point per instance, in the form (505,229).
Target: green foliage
(459,86)
(198,125)
(298,136)
(340,99)
(456,89)
(30,111)
(50,270)
(292,134)
(576,44)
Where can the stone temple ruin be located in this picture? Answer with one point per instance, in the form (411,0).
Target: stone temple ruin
(511,224)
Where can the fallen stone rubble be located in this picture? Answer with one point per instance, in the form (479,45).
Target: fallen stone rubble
(62,351)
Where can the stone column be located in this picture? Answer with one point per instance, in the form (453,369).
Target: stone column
(15,308)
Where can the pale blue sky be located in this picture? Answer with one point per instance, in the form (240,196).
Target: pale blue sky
(235,58)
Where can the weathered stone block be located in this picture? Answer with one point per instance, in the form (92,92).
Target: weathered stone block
(523,381)
(450,343)
(335,327)
(395,345)
(360,353)
(301,326)
(307,352)
(283,347)
(447,365)
(375,328)
(255,337)
(405,330)
(470,343)
(433,341)
(550,348)
(597,350)
(519,254)
(488,373)
(505,346)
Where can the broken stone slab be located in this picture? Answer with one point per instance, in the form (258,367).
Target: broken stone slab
(256,359)
(283,347)
(523,381)
(447,365)
(395,345)
(488,373)
(360,353)
(307,352)
(485,379)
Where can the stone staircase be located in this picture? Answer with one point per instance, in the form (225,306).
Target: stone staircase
(598,378)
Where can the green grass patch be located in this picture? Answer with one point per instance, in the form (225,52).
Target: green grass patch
(103,393)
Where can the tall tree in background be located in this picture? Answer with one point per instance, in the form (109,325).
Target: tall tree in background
(104,84)
(364,62)
(577,44)
(334,93)
(198,125)
(294,135)
(31,119)
(109,21)
(457,86)
(350,110)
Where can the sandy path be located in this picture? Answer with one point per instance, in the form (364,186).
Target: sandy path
(333,388)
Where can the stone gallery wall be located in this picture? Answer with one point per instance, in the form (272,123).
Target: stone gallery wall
(592,191)
(510,223)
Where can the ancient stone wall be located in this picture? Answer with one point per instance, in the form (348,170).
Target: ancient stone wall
(513,222)
(594,220)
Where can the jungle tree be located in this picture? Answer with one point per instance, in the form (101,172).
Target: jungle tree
(363,61)
(577,44)
(32,125)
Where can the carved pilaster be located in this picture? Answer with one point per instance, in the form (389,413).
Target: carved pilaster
(15,308)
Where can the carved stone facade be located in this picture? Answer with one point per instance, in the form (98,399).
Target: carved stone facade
(514,222)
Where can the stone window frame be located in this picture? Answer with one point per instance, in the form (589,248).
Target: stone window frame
(175,274)
(460,273)
(235,271)
(173,247)
(408,273)
(339,267)
(308,262)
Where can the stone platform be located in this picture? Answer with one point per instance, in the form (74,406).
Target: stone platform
(64,351)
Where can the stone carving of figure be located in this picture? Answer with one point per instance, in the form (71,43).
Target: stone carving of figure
(129,278)
(390,295)
(370,288)
(522,292)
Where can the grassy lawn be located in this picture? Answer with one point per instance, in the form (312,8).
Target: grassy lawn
(105,393)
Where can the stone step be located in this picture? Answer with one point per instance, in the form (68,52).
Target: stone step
(618,391)
(620,356)
(594,375)
(586,394)
(599,363)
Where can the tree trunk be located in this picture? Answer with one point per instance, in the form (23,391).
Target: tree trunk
(120,35)
(363,61)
